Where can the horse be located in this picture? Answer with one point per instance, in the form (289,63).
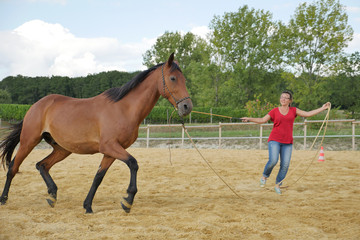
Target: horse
(107,123)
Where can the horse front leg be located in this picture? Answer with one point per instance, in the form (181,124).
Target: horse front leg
(132,189)
(104,166)
(115,150)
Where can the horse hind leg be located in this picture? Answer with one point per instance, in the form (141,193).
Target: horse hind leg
(26,146)
(58,154)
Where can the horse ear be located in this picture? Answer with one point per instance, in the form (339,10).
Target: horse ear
(171,59)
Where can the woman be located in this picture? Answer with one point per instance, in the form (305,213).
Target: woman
(280,141)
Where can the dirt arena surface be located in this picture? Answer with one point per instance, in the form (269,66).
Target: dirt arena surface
(184,199)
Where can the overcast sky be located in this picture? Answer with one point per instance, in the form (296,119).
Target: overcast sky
(78,37)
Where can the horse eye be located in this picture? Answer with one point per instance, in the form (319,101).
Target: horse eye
(172,78)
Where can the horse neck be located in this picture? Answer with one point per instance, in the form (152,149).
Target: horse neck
(143,98)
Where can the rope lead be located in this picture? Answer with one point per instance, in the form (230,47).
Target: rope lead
(208,164)
(326,120)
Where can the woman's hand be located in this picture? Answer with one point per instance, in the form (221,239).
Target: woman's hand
(326,105)
(245,119)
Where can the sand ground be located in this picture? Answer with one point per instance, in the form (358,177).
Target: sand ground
(181,198)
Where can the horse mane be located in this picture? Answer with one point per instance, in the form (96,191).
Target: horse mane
(117,93)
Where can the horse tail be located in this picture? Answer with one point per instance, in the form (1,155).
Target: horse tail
(8,145)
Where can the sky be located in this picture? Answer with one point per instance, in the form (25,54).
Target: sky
(80,37)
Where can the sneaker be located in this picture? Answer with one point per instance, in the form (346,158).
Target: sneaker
(278,190)
(262,182)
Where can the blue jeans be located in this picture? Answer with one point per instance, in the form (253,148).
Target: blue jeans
(276,148)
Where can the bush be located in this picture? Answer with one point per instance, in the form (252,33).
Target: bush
(257,108)
(11,112)
(159,114)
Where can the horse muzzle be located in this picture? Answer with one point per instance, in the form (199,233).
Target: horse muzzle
(184,107)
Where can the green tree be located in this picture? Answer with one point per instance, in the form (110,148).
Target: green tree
(193,55)
(34,88)
(344,86)
(5,96)
(206,84)
(244,38)
(246,45)
(188,48)
(316,35)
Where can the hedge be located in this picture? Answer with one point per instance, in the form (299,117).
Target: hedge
(159,115)
(11,112)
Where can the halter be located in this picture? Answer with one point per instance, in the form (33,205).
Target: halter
(166,87)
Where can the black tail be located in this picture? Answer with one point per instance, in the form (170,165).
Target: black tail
(8,145)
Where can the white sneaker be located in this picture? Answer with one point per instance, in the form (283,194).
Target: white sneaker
(278,190)
(262,182)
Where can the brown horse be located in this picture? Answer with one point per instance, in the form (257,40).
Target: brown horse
(107,124)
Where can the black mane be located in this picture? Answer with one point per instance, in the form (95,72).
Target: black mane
(117,93)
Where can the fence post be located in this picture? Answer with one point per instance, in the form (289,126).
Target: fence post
(305,129)
(353,136)
(210,115)
(182,137)
(261,133)
(147,135)
(219,134)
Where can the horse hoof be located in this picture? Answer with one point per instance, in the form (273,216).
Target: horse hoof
(126,209)
(126,206)
(89,210)
(3,200)
(51,201)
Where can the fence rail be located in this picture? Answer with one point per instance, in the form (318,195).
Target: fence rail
(261,136)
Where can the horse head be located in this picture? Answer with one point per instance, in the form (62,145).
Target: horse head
(173,87)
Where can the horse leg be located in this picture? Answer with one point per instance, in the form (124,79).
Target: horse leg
(116,151)
(132,189)
(14,165)
(104,166)
(9,176)
(44,166)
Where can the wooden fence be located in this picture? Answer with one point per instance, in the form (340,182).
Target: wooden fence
(220,137)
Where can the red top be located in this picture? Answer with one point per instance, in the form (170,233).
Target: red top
(283,125)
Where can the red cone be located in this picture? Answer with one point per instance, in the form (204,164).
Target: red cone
(321,156)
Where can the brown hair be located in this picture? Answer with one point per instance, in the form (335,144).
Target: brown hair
(290,94)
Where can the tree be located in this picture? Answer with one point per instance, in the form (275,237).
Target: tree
(315,37)
(206,83)
(244,38)
(193,54)
(188,48)
(246,45)
(344,86)
(5,96)
(34,88)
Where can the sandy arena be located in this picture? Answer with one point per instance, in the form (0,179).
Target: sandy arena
(184,199)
